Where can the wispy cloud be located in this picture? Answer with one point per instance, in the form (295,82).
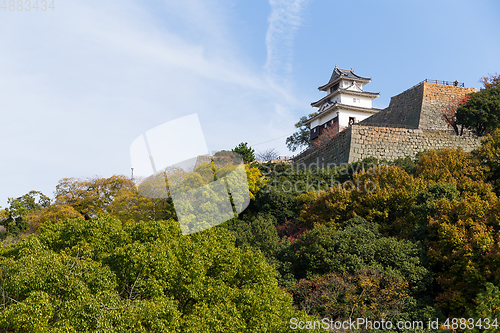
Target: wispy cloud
(79,83)
(284,21)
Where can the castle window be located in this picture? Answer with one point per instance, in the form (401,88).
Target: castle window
(335,87)
(352,120)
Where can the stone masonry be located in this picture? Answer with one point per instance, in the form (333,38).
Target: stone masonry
(412,123)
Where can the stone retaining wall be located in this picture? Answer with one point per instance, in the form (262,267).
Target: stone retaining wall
(335,152)
(404,109)
(360,141)
(437,97)
(391,143)
(420,106)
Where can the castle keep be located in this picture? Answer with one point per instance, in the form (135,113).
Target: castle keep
(410,124)
(345,103)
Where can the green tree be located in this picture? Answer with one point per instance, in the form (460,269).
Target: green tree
(427,200)
(481,114)
(488,306)
(426,205)
(15,218)
(259,233)
(103,275)
(407,164)
(356,247)
(301,138)
(282,205)
(246,152)
(489,155)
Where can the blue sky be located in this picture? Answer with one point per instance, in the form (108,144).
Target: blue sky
(80,83)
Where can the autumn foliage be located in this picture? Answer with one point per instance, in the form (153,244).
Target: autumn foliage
(449,113)
(411,239)
(490,81)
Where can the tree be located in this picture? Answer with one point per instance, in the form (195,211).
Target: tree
(489,154)
(449,113)
(301,138)
(365,294)
(90,196)
(490,81)
(488,306)
(103,275)
(481,114)
(356,247)
(463,249)
(246,152)
(385,196)
(450,165)
(268,155)
(15,218)
(329,208)
(407,164)
(283,206)
(258,232)
(54,214)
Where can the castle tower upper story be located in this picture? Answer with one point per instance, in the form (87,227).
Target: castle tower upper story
(345,103)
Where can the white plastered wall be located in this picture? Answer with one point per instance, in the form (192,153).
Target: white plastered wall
(361,101)
(345,114)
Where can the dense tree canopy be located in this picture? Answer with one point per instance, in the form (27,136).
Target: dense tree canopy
(103,275)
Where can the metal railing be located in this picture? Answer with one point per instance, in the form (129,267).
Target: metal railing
(445,83)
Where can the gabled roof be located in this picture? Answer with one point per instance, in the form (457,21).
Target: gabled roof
(344,74)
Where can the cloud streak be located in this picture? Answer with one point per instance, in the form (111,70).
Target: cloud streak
(284,21)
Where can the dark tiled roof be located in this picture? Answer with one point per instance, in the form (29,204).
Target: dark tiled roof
(345,73)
